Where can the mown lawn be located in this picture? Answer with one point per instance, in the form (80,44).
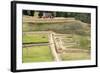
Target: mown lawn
(34,38)
(37,54)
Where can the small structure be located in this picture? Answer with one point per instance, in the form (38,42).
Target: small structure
(47,15)
(43,14)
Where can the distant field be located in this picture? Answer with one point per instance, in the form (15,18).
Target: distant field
(34,38)
(37,54)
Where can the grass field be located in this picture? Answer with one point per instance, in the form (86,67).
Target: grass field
(34,38)
(75,56)
(75,38)
(37,54)
(80,42)
(76,42)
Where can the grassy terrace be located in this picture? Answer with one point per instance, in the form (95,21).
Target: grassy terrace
(34,38)
(81,42)
(74,56)
(37,54)
(77,37)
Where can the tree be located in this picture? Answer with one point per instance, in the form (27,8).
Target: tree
(85,17)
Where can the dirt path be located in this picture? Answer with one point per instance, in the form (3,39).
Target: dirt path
(53,47)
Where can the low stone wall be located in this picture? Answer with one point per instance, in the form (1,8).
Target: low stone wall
(29,19)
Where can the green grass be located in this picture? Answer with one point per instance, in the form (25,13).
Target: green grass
(34,38)
(37,54)
(82,42)
(75,56)
(25,27)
